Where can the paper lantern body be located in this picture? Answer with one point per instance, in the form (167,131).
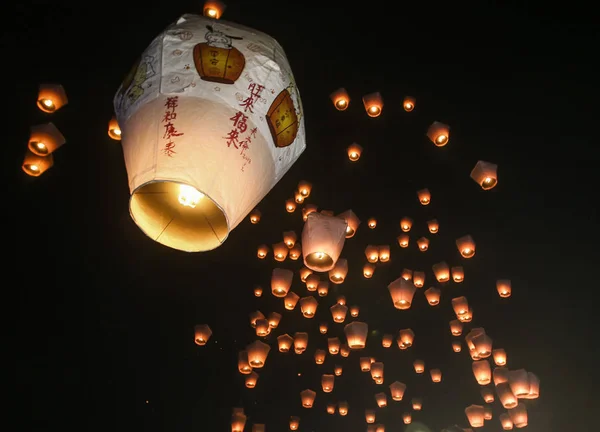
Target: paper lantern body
(211,106)
(323,239)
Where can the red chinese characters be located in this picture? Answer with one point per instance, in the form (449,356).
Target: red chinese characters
(170,131)
(255,94)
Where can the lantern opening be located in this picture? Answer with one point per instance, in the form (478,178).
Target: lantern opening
(178,216)
(46,105)
(319,260)
(488,183)
(441,139)
(40,147)
(341,104)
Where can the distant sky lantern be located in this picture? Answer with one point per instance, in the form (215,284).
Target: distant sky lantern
(322,241)
(466,246)
(499,356)
(290,300)
(202,334)
(423,244)
(441,271)
(419,279)
(238,422)
(474,414)
(424,196)
(372,223)
(35,165)
(419,366)
(327,382)
(409,103)
(258,291)
(456,327)
(330,408)
(45,139)
(433,226)
(298,197)
(372,253)
(307,397)
(406,224)
(506,396)
(356,334)
(485,174)
(305,188)
(343,408)
(254,317)
(386,340)
(338,313)
(439,133)
(487,412)
(51,97)
(467,317)
(337,370)
(255,216)
(519,382)
(300,342)
(504,288)
(333,345)
(280,251)
(213,9)
(354,151)
(383,252)
(365,364)
(480,342)
(294,422)
(281,281)
(295,252)
(308,306)
(340,99)
(432,295)
(373,103)
(338,273)
(285,342)
(487,394)
(352,220)
(274,319)
(407,418)
(406,337)
(183,141)
(323,288)
(304,273)
(344,350)
(368,270)
(436,375)
(320,356)
(262,327)
(243,363)
(251,379)
(460,305)
(482,372)
(534,386)
(370,416)
(402,293)
(290,205)
(403,240)
(406,274)
(114,131)
(456,347)
(381,399)
(500,375)
(312,282)
(323,328)
(506,422)
(518,415)
(397,390)
(262,251)
(289,238)
(354,310)
(417,403)
(458,274)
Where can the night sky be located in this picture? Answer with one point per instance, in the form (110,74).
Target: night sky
(103,317)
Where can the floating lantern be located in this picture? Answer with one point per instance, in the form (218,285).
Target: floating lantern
(407,418)
(285,342)
(356,334)
(377,371)
(172,138)
(439,133)
(368,270)
(354,310)
(487,394)
(295,252)
(423,244)
(333,345)
(505,394)
(433,296)
(255,216)
(257,353)
(519,382)
(456,327)
(406,224)
(406,274)
(500,375)
(456,347)
(213,9)
(312,282)
(338,312)
(323,328)
(251,379)
(365,364)
(386,340)
(370,416)
(340,99)
(305,188)
(383,252)
(281,281)
(433,226)
(262,327)
(419,279)
(482,372)
(338,273)
(202,334)
(354,152)
(243,363)
(397,390)
(298,198)
(262,251)
(534,386)
(441,271)
(308,398)
(373,103)
(114,131)
(424,196)
(290,205)
(487,412)
(518,415)
(403,240)
(280,251)
(337,370)
(34,165)
(51,97)
(331,408)
(406,338)
(417,404)
(499,356)
(402,293)
(460,305)
(274,319)
(372,253)
(381,399)
(504,288)
(45,139)
(290,300)
(323,288)
(300,342)
(322,241)
(475,415)
(466,246)
(436,375)
(343,408)
(308,306)
(305,272)
(352,220)
(408,103)
(458,274)
(289,238)
(372,223)
(419,366)
(294,423)
(485,174)
(258,291)
(505,421)
(344,350)
(238,422)
(327,382)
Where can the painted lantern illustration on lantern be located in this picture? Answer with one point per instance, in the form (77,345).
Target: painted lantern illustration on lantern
(217,60)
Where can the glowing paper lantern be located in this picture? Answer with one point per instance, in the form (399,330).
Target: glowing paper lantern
(312,282)
(213,9)
(353,222)
(333,345)
(458,274)
(370,416)
(285,342)
(441,271)
(280,251)
(45,139)
(402,293)
(327,382)
(243,363)
(295,252)
(433,296)
(482,372)
(373,103)
(338,273)
(35,165)
(433,226)
(406,338)
(417,404)
(397,390)
(503,286)
(424,196)
(518,415)
(308,398)
(262,251)
(51,97)
(258,291)
(386,340)
(419,279)
(340,99)
(423,244)
(202,334)
(290,205)
(251,379)
(372,223)
(323,288)
(466,246)
(281,281)
(300,342)
(304,188)
(289,238)
(383,252)
(368,270)
(343,408)
(475,415)
(238,422)
(354,310)
(354,152)
(406,224)
(322,241)
(506,422)
(356,334)
(290,300)
(381,399)
(409,103)
(114,130)
(419,366)
(485,174)
(179,121)
(436,375)
(294,423)
(499,356)
(439,133)
(257,353)
(308,306)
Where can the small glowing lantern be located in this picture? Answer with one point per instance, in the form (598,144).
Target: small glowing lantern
(45,139)
(344,350)
(372,253)
(439,133)
(499,356)
(419,366)
(458,274)
(202,334)
(300,342)
(419,279)
(441,271)
(373,103)
(294,423)
(433,296)
(500,375)
(506,396)
(456,347)
(257,353)
(251,379)
(238,422)
(487,412)
(298,198)
(34,165)
(370,416)
(290,300)
(406,274)
(436,375)
(466,246)
(331,408)
(403,240)
(304,272)
(213,9)
(114,131)
(258,291)
(407,418)
(343,408)
(51,97)
(381,399)
(383,252)
(353,222)
(312,282)
(354,152)
(408,103)
(295,252)
(281,281)
(406,338)
(423,244)
(424,196)
(354,310)
(341,300)
(402,293)
(243,363)
(386,340)
(518,415)
(534,386)
(417,403)
(365,364)
(337,370)
(323,328)
(356,334)
(274,319)
(280,251)
(307,398)
(322,241)
(289,238)
(323,288)
(304,188)
(338,312)
(340,99)
(456,327)
(468,317)
(255,216)
(460,305)
(397,390)
(372,223)
(327,382)
(475,415)
(262,251)
(333,345)
(338,273)
(504,288)
(262,327)
(482,372)
(308,306)
(368,270)
(406,224)
(285,342)
(487,394)
(433,226)
(485,174)
(290,206)
(506,422)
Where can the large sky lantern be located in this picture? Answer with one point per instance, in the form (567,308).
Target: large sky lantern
(370,416)
(294,423)
(213,9)
(338,273)
(290,300)
(499,356)
(372,223)
(333,345)
(505,421)
(320,356)
(251,380)
(406,337)
(419,279)
(51,97)
(45,139)
(368,270)
(436,375)
(262,328)
(257,353)
(419,366)
(180,197)
(243,363)
(295,252)
(300,342)
(504,288)
(383,252)
(458,274)
(307,398)
(406,224)
(386,340)
(238,422)
(372,253)
(500,375)
(439,133)
(456,327)
(262,251)
(354,311)
(397,390)
(340,99)
(323,288)
(35,165)
(312,282)
(274,319)
(518,415)
(506,396)
(485,174)
(308,306)
(281,281)
(409,103)
(417,403)
(327,382)
(202,334)
(323,239)
(475,415)
(337,370)
(424,196)
(285,342)
(456,346)
(280,251)
(402,293)
(482,372)
(343,408)
(403,240)
(423,244)
(433,295)
(290,238)
(352,220)
(487,394)
(354,151)
(290,205)
(373,103)
(254,317)
(441,271)
(356,334)
(381,399)
(255,216)
(466,246)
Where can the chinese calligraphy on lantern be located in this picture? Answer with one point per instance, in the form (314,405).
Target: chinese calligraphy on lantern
(255,94)
(170,131)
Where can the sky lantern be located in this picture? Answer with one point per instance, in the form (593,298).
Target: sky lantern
(323,328)
(114,130)
(294,422)
(353,222)
(323,288)
(386,340)
(487,412)
(433,226)
(280,251)
(519,382)
(354,152)
(258,427)
(290,205)
(534,386)
(51,97)
(330,408)
(213,9)
(372,223)
(456,327)
(436,375)
(298,197)
(354,311)
(377,369)
(419,366)
(307,397)
(409,103)
(482,372)
(372,253)
(337,370)
(466,246)
(300,342)
(456,347)
(423,244)
(262,327)
(439,133)
(281,281)
(327,382)
(406,224)
(340,99)
(290,300)
(285,342)
(289,238)
(343,408)
(417,403)
(344,350)
(370,416)
(368,270)
(480,342)
(504,288)
(407,418)
(487,394)
(258,291)
(312,282)
(356,334)
(506,396)
(180,197)
(305,188)
(255,216)
(262,251)
(419,278)
(475,415)
(518,415)
(338,273)
(406,338)
(257,353)
(295,252)
(308,306)
(381,399)
(338,312)
(202,334)
(243,363)
(251,379)
(238,422)
(373,103)
(441,271)
(365,364)
(424,196)
(402,293)
(467,317)
(397,390)
(254,317)
(433,295)
(505,421)
(304,273)
(406,274)
(458,274)
(499,356)
(403,240)
(35,165)
(383,253)
(485,174)
(500,375)
(322,241)
(333,345)
(274,319)
(45,139)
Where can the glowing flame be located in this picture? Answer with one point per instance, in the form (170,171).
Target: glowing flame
(189,196)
